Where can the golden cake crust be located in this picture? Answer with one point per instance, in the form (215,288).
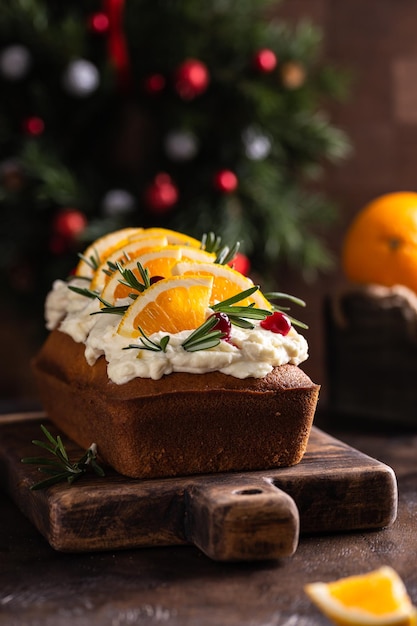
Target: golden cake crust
(180,424)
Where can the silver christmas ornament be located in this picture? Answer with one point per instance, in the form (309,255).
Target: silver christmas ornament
(181,145)
(117,202)
(81,78)
(15,62)
(257,145)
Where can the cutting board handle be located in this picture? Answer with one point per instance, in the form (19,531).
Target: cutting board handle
(244,520)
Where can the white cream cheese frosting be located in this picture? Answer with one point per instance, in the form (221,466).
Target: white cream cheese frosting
(248,353)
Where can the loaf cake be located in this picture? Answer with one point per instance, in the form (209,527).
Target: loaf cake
(166,375)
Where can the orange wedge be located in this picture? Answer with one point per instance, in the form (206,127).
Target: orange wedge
(227,282)
(173,237)
(158,262)
(378,598)
(170,305)
(102,247)
(124,253)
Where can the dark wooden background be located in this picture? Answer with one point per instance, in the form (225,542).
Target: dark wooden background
(374,40)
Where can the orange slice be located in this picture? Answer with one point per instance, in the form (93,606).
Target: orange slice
(122,254)
(194,254)
(227,282)
(102,247)
(378,598)
(158,262)
(173,237)
(170,305)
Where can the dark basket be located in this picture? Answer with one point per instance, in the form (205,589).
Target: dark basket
(371,354)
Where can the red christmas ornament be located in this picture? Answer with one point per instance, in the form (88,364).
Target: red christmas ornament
(154,84)
(241,264)
(191,79)
(68,224)
(117,42)
(226,181)
(265,61)
(99,23)
(33,126)
(162,194)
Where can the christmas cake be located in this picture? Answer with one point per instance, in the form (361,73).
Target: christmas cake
(172,362)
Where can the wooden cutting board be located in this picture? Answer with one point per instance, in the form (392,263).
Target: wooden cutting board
(233,516)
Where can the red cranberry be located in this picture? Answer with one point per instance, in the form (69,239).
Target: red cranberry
(277,323)
(155,279)
(223,324)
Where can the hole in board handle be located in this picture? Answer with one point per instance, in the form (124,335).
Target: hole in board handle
(248,492)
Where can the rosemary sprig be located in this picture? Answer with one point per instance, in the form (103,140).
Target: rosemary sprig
(203,337)
(62,468)
(239,315)
(129,279)
(92,261)
(148,344)
(112,266)
(213,243)
(107,307)
(226,254)
(110,308)
(278,295)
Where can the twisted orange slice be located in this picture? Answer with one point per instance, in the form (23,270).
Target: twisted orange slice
(170,305)
(227,282)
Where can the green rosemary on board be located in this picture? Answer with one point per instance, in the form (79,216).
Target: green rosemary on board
(61,468)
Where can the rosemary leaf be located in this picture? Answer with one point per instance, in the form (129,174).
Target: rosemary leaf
(39,460)
(277,295)
(116,310)
(249,312)
(164,342)
(204,343)
(241,323)
(226,254)
(61,449)
(92,261)
(83,291)
(43,484)
(236,298)
(45,445)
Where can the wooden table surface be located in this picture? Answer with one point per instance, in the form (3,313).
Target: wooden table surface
(179,586)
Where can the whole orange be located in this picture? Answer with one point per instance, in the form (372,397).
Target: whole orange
(380,246)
